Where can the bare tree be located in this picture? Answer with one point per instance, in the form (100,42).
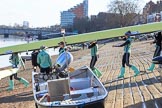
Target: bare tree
(127,9)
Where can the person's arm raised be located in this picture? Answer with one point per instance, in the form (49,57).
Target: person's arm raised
(121,45)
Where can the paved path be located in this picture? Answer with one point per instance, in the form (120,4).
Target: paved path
(144,91)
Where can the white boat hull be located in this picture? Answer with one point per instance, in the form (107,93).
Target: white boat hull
(85,89)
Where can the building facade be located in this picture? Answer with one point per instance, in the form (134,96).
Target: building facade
(155,17)
(152,11)
(25,24)
(79,11)
(67,18)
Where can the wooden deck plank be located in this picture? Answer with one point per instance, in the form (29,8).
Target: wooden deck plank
(143,91)
(148,98)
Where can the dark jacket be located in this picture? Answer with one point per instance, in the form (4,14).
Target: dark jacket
(34,58)
(61,50)
(158,39)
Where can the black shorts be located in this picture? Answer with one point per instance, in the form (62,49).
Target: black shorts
(45,70)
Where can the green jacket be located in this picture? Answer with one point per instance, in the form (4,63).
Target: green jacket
(94,49)
(16,60)
(44,59)
(127,45)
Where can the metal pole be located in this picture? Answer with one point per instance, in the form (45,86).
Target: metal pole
(63,33)
(66,58)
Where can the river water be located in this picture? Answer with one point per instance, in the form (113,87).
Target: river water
(14,40)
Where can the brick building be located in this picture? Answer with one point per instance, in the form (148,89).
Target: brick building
(151,11)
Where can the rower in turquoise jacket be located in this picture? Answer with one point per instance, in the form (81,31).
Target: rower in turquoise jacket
(44,60)
(94,52)
(16,62)
(127,51)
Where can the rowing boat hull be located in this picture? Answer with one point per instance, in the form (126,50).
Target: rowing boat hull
(8,72)
(97,104)
(81,79)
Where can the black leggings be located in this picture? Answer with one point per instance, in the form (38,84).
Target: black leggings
(93,62)
(157,51)
(125,60)
(45,70)
(15,77)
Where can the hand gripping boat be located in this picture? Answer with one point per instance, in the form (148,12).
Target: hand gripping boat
(79,89)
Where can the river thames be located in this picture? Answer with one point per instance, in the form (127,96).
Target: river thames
(14,40)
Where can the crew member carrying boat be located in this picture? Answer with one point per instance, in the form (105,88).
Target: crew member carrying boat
(127,51)
(157,41)
(16,61)
(44,60)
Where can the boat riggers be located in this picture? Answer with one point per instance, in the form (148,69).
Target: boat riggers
(97,72)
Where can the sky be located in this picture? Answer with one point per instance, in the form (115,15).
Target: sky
(41,13)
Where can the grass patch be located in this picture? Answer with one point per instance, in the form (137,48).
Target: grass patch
(84,37)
